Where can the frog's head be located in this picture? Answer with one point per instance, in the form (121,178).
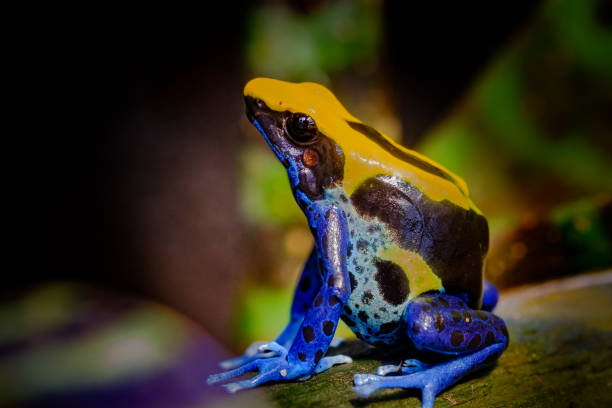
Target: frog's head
(294,119)
(322,145)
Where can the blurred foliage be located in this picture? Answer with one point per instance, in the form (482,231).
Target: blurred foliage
(532,134)
(535,130)
(575,237)
(286,44)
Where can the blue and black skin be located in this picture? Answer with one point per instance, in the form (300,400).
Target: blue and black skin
(371,295)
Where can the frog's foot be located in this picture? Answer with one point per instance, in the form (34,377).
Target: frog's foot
(432,380)
(270,369)
(257,350)
(405,368)
(328,362)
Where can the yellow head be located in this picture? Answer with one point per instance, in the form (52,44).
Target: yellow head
(321,144)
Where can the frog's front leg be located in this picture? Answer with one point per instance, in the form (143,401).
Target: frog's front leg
(317,328)
(307,287)
(443,324)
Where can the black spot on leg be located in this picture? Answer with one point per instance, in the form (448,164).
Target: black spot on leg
(456,338)
(318,301)
(349,250)
(489,338)
(305,284)
(392,282)
(444,302)
(363,316)
(456,316)
(349,322)
(328,327)
(347,310)
(475,342)
(416,328)
(330,281)
(318,356)
(302,356)
(367,297)
(308,333)
(333,300)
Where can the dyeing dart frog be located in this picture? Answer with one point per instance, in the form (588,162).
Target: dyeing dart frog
(398,253)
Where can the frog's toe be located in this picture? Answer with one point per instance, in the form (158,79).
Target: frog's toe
(272,347)
(328,362)
(366,384)
(228,375)
(234,387)
(407,367)
(361,379)
(257,350)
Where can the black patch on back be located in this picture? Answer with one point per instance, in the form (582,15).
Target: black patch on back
(376,199)
(375,136)
(452,240)
(392,282)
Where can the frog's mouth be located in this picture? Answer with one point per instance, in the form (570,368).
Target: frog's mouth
(269,123)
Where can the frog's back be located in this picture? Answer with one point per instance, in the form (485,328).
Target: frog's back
(448,240)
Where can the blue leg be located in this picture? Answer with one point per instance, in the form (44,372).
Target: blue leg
(489,297)
(443,324)
(316,330)
(307,287)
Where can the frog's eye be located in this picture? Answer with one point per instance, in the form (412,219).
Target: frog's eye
(301,128)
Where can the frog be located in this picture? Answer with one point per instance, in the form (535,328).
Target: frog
(398,252)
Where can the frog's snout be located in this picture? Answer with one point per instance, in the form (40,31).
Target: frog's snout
(254,107)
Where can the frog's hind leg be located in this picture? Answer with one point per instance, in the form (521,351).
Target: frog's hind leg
(442,324)
(490,295)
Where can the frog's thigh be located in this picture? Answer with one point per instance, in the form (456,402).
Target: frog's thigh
(445,324)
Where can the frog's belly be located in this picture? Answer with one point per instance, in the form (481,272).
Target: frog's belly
(370,317)
(379,289)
